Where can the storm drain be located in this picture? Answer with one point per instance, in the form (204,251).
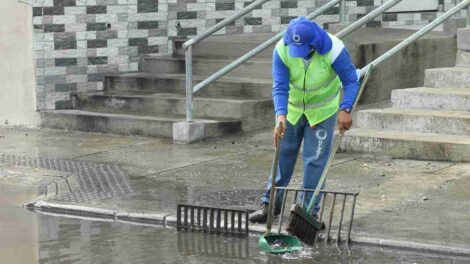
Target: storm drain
(87,181)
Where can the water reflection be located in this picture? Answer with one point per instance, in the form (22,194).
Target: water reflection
(66,240)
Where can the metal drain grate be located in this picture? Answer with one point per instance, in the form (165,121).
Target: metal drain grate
(212,219)
(93,181)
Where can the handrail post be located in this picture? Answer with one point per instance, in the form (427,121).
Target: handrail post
(189,83)
(468,16)
(342,12)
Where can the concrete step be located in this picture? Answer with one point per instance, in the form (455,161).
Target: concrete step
(252,112)
(228,46)
(463,58)
(175,83)
(161,126)
(426,121)
(256,68)
(454,99)
(454,77)
(409,145)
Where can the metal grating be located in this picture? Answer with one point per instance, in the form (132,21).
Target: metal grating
(94,181)
(212,219)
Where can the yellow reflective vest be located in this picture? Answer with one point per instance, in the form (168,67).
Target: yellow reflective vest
(314,90)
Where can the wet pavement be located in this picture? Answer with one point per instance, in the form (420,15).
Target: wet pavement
(403,200)
(28,237)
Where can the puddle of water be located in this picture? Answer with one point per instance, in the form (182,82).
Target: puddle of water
(41,238)
(67,240)
(18,227)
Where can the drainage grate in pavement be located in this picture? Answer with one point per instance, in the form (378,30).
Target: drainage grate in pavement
(240,199)
(87,181)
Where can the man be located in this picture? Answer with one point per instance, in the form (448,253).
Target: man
(308,66)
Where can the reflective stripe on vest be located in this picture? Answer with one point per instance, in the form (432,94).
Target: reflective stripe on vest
(325,84)
(317,105)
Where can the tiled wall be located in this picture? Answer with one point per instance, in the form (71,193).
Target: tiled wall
(78,42)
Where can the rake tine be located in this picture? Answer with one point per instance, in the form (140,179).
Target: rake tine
(339,250)
(232,218)
(338,236)
(327,238)
(281,218)
(320,217)
(295,196)
(350,223)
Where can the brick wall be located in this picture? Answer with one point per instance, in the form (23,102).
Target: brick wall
(78,42)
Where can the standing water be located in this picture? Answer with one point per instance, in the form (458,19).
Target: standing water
(39,238)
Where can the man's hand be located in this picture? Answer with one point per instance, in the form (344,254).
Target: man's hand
(280,123)
(344,121)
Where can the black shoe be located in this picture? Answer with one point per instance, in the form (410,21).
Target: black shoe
(261,215)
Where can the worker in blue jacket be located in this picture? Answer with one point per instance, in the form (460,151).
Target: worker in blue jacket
(309,66)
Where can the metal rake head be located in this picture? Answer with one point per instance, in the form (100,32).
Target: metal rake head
(334,222)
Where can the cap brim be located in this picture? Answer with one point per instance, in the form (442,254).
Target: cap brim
(299,50)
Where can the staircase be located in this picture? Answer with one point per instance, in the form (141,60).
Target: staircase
(430,123)
(150,102)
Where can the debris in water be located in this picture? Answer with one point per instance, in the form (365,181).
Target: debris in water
(279,244)
(425,198)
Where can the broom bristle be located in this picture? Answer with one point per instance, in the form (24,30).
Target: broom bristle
(302,229)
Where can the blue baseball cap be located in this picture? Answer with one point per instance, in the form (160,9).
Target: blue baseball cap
(303,34)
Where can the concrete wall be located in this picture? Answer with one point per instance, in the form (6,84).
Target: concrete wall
(17,81)
(406,68)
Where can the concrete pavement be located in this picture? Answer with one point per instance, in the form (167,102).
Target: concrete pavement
(400,200)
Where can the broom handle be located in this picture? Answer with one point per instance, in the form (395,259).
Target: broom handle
(336,146)
(273,182)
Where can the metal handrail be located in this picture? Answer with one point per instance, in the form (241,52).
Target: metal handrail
(379,10)
(223,23)
(189,86)
(187,46)
(439,20)
(257,50)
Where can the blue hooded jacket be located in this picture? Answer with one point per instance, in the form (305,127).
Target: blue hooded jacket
(341,63)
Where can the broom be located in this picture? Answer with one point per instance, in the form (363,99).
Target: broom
(301,222)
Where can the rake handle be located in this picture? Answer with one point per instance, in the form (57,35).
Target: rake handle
(274,168)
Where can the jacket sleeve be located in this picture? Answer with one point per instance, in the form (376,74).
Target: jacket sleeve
(347,73)
(280,90)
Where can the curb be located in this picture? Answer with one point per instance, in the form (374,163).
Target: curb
(169,220)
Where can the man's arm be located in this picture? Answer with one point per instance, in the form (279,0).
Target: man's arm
(280,85)
(348,75)
(280,94)
(342,65)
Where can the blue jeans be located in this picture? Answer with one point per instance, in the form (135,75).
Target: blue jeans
(317,147)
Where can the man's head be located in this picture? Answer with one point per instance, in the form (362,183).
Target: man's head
(302,35)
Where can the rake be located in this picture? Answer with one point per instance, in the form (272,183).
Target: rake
(302,223)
